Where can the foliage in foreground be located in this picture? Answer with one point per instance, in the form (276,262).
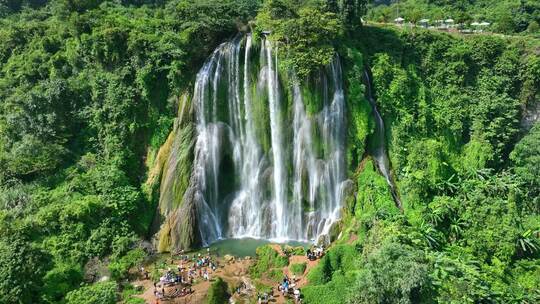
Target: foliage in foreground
(218,292)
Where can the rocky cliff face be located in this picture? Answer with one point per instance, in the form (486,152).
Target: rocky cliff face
(175,220)
(531,115)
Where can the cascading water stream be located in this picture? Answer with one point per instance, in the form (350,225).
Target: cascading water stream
(276,131)
(379,151)
(244,214)
(303,157)
(281,192)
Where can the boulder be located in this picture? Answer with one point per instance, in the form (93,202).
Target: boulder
(229,258)
(323,240)
(334,231)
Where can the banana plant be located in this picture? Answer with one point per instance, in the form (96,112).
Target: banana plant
(527,242)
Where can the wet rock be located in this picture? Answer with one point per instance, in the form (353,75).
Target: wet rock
(348,189)
(147,246)
(531,115)
(177,170)
(334,231)
(95,269)
(311,219)
(184,226)
(176,213)
(323,240)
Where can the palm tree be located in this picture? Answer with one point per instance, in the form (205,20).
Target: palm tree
(456,228)
(426,234)
(527,243)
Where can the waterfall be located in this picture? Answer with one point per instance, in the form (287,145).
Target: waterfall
(276,127)
(244,214)
(303,158)
(282,187)
(379,151)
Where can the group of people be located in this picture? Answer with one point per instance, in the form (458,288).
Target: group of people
(288,286)
(315,253)
(243,287)
(200,266)
(189,269)
(171,278)
(160,294)
(265,297)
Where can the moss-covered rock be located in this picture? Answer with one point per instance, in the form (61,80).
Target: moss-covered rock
(361,123)
(171,174)
(180,228)
(374,195)
(177,170)
(184,228)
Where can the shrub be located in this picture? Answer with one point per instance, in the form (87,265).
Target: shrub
(99,293)
(275,274)
(154,274)
(334,292)
(322,273)
(342,257)
(217,294)
(394,274)
(289,250)
(119,268)
(261,287)
(129,291)
(60,280)
(339,257)
(267,258)
(298,268)
(21,269)
(132,300)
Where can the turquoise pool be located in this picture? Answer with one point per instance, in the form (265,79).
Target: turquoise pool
(245,246)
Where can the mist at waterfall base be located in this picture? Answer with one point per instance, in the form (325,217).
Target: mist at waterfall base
(264,167)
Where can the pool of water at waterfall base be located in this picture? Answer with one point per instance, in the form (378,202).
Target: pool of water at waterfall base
(242,247)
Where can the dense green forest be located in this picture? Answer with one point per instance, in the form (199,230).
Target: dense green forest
(466,173)
(89,91)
